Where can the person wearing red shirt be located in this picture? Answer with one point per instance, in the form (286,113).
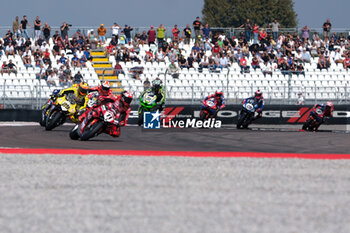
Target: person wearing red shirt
(176,32)
(216,48)
(256,33)
(243,63)
(151,35)
(262,36)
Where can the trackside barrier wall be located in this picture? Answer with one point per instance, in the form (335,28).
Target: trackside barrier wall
(272,114)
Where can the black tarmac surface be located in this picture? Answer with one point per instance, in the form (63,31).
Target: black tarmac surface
(224,139)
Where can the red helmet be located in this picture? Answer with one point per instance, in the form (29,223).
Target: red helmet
(330,105)
(258,94)
(218,94)
(104,88)
(126,98)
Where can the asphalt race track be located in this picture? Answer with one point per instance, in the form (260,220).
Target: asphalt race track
(152,194)
(225,139)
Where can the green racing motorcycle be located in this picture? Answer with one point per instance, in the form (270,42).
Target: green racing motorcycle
(148,103)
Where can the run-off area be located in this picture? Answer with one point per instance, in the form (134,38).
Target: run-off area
(72,193)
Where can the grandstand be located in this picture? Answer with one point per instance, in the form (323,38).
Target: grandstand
(24,89)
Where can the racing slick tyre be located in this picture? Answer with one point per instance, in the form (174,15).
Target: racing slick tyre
(241,120)
(73,134)
(91,130)
(307,124)
(203,115)
(53,120)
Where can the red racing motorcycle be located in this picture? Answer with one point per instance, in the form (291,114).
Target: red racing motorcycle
(97,120)
(209,109)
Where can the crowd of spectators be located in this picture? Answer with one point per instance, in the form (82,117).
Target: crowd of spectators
(255,48)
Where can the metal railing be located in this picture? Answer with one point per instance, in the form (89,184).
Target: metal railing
(168,33)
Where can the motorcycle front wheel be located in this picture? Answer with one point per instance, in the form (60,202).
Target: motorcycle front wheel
(241,119)
(53,120)
(91,130)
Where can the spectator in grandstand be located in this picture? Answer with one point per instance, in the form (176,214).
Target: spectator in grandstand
(149,56)
(63,59)
(143,39)
(223,61)
(127,32)
(267,68)
(197,26)
(160,35)
(11,67)
(299,69)
(244,65)
(136,71)
(256,33)
(23,27)
(338,57)
(346,62)
(118,69)
(92,39)
(327,28)
(75,61)
(151,35)
(206,32)
(187,33)
(37,27)
(263,36)
(255,63)
(64,30)
(78,78)
(182,61)
(115,31)
(160,55)
(146,84)
(300,100)
(213,64)
(101,32)
(172,55)
(173,69)
(15,27)
(46,32)
(27,58)
(10,50)
(4,68)
(275,26)
(175,31)
(46,57)
(50,78)
(305,56)
(204,63)
(314,50)
(190,61)
(63,79)
(247,29)
(322,63)
(283,66)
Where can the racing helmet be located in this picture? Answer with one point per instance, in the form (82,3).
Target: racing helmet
(218,94)
(156,85)
(258,94)
(329,106)
(83,88)
(104,88)
(55,92)
(126,98)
